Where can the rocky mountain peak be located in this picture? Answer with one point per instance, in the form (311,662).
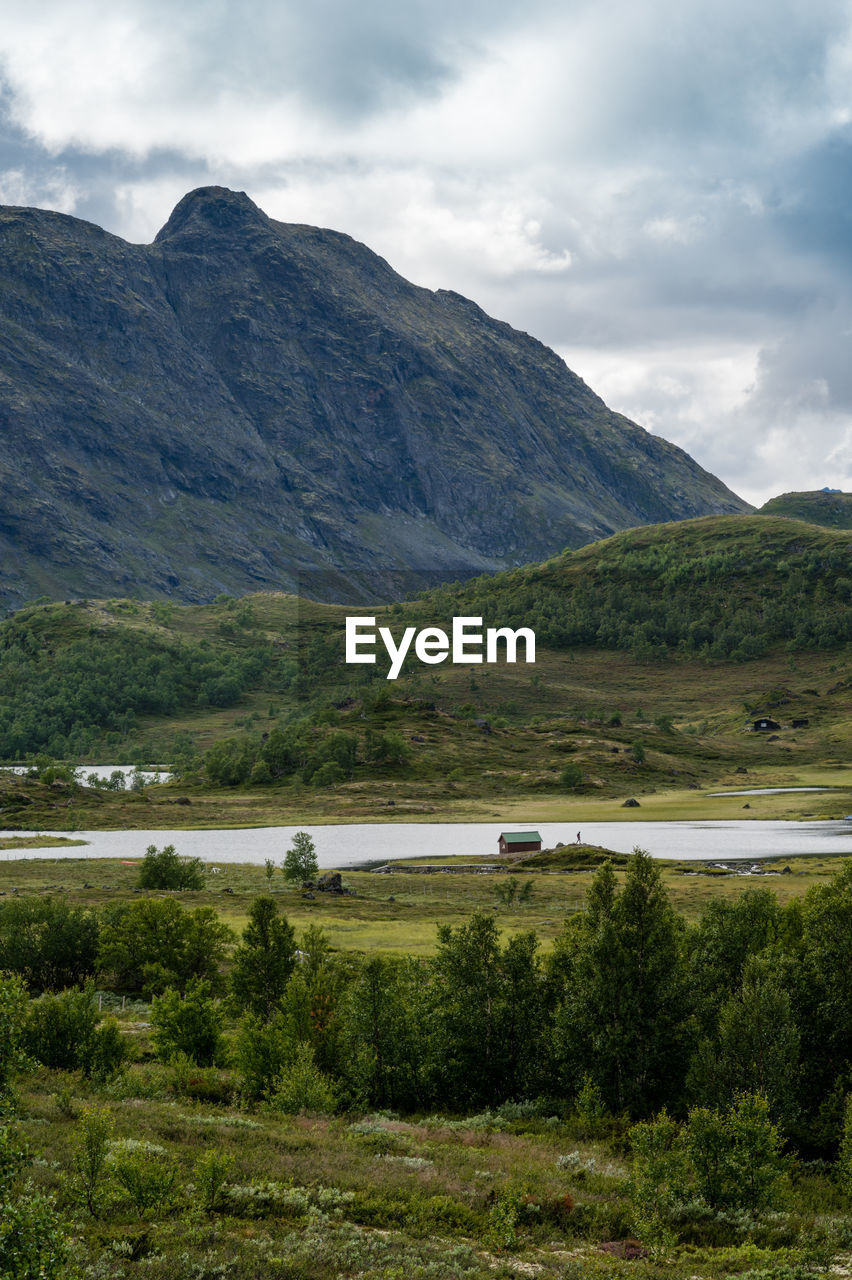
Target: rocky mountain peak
(216,210)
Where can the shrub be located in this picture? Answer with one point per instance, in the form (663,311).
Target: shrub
(154,943)
(62,1032)
(189,1024)
(301,1086)
(148,1177)
(108,1052)
(51,944)
(32,1241)
(13,1016)
(503,1219)
(261,1050)
(844,1161)
(735,1154)
(94,1133)
(211,1174)
(60,1029)
(658,1179)
(163,869)
(723,1163)
(571,776)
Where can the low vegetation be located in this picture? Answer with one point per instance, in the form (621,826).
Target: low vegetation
(254,694)
(647,1096)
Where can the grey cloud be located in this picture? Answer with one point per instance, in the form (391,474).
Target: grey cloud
(347,60)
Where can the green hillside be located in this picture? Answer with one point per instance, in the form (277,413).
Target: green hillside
(655,649)
(834,510)
(726,587)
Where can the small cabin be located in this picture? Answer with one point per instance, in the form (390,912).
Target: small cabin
(765,725)
(519,842)
(801,723)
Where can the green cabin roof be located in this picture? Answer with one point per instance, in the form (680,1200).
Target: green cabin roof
(519,837)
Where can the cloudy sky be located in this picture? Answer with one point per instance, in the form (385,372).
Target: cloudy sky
(660,191)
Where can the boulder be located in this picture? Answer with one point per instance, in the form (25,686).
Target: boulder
(330,883)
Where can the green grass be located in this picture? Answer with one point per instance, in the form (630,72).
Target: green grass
(398,912)
(38,842)
(832,510)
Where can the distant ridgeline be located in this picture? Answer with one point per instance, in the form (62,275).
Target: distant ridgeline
(828,507)
(75,678)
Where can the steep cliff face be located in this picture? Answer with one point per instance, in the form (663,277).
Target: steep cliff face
(247,404)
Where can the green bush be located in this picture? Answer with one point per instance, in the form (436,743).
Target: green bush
(108,1052)
(571,776)
(164,869)
(51,944)
(13,1018)
(735,1155)
(152,944)
(190,1024)
(146,1175)
(62,1031)
(211,1175)
(844,1163)
(725,1165)
(33,1244)
(91,1157)
(260,1051)
(301,1086)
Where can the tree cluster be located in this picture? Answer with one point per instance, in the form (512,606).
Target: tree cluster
(662,598)
(66,695)
(633,1010)
(308,750)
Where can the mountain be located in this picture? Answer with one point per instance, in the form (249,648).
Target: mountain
(247,404)
(828,507)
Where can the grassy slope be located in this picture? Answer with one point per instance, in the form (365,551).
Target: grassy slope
(833,510)
(541,717)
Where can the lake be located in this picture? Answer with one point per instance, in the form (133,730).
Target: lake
(353,844)
(84,771)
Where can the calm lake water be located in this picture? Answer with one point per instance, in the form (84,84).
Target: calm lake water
(340,846)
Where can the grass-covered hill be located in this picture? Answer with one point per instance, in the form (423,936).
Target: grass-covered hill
(830,508)
(720,588)
(655,648)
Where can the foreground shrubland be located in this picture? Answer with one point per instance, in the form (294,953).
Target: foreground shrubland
(646,1097)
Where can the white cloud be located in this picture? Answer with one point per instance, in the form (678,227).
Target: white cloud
(57,189)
